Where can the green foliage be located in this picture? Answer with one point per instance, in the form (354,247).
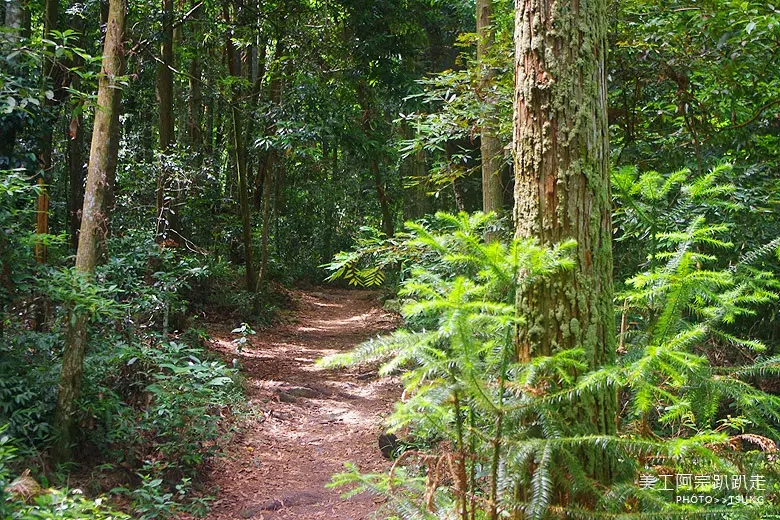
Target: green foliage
(143,399)
(651,205)
(162,401)
(658,213)
(346,264)
(44,504)
(28,385)
(419,246)
(245,330)
(153,499)
(694,82)
(56,504)
(505,428)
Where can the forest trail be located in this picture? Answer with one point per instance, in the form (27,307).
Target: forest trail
(308,421)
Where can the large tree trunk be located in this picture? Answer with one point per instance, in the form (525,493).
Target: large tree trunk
(562,187)
(490,146)
(166,225)
(93,221)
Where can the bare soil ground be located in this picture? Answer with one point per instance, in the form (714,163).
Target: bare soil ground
(308,421)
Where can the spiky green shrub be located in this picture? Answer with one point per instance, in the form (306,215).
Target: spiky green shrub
(501,440)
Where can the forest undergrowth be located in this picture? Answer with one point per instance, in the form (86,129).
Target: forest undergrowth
(573,206)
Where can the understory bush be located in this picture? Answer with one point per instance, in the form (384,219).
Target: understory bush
(508,441)
(23,498)
(154,402)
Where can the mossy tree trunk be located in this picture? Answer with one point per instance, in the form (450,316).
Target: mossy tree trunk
(93,220)
(490,146)
(561,148)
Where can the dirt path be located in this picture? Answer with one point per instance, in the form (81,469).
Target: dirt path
(309,421)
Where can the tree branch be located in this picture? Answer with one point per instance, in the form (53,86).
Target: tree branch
(755,116)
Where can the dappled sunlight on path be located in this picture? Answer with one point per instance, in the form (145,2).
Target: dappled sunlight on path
(307,421)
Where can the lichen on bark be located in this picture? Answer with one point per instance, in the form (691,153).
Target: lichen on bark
(561,151)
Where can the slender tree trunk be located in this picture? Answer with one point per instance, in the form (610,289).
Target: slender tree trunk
(75,139)
(419,200)
(271,162)
(93,222)
(388,227)
(329,220)
(267,188)
(240,152)
(195,102)
(251,275)
(195,107)
(369,114)
(165,201)
(257,68)
(208,143)
(490,146)
(75,177)
(562,188)
(460,197)
(53,76)
(13,21)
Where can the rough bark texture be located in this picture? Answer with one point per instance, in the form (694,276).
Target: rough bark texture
(490,146)
(94,218)
(562,185)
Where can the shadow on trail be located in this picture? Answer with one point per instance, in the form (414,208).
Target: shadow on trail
(309,420)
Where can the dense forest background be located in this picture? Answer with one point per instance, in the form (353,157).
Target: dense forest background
(241,148)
